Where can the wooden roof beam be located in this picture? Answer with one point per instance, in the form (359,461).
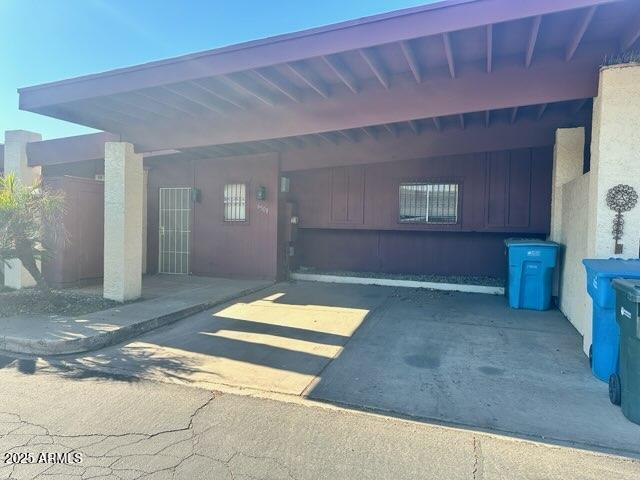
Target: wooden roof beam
(448,50)
(533,39)
(307,76)
(150,112)
(292,141)
(514,114)
(631,35)
(375,64)
(192,97)
(210,90)
(541,109)
(153,98)
(412,61)
(579,32)
(489,48)
(342,72)
(276,81)
(370,132)
(579,105)
(349,135)
(392,128)
(328,136)
(242,83)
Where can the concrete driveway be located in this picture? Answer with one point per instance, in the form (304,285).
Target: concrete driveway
(456,358)
(468,359)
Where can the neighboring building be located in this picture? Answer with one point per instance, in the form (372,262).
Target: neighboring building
(410,142)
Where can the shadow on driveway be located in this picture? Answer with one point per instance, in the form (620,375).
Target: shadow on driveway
(440,357)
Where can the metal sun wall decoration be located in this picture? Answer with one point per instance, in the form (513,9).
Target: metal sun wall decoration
(620,199)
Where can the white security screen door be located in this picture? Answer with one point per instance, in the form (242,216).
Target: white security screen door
(175,230)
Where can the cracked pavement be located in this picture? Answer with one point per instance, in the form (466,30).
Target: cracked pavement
(128,429)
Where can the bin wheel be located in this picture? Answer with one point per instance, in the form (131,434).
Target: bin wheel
(614,389)
(590,356)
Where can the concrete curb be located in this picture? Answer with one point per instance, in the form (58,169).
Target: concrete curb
(389,282)
(105,339)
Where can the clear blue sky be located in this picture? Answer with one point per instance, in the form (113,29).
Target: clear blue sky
(48,40)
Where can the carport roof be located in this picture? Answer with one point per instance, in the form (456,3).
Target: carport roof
(452,58)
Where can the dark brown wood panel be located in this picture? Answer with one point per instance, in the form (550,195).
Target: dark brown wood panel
(497,178)
(402,252)
(499,191)
(355,196)
(541,170)
(519,184)
(339,194)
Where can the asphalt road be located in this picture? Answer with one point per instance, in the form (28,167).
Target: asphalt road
(125,429)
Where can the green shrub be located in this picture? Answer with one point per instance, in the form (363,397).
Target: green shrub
(30,224)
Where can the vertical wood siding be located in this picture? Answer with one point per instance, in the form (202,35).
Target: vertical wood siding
(349,215)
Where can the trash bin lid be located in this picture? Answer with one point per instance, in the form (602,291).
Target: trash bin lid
(530,242)
(630,287)
(613,267)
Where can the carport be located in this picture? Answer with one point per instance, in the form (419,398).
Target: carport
(412,142)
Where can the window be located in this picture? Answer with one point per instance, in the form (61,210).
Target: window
(235,202)
(428,202)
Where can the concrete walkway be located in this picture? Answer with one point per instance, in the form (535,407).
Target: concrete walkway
(165,299)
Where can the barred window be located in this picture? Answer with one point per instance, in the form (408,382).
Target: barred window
(235,202)
(429,202)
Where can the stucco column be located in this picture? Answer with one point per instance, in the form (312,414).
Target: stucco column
(615,158)
(15,161)
(123,204)
(568,159)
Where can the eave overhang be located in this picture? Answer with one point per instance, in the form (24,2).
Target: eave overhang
(450,58)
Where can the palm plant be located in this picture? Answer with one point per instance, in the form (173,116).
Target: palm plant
(30,224)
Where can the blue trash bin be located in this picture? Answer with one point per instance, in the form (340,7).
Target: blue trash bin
(605,333)
(531,265)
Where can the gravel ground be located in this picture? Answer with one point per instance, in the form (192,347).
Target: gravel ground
(58,302)
(457,279)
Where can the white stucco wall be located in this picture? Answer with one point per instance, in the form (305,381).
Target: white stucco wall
(568,159)
(15,161)
(575,302)
(586,221)
(615,157)
(123,213)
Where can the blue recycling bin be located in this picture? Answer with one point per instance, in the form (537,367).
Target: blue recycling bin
(531,265)
(605,333)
